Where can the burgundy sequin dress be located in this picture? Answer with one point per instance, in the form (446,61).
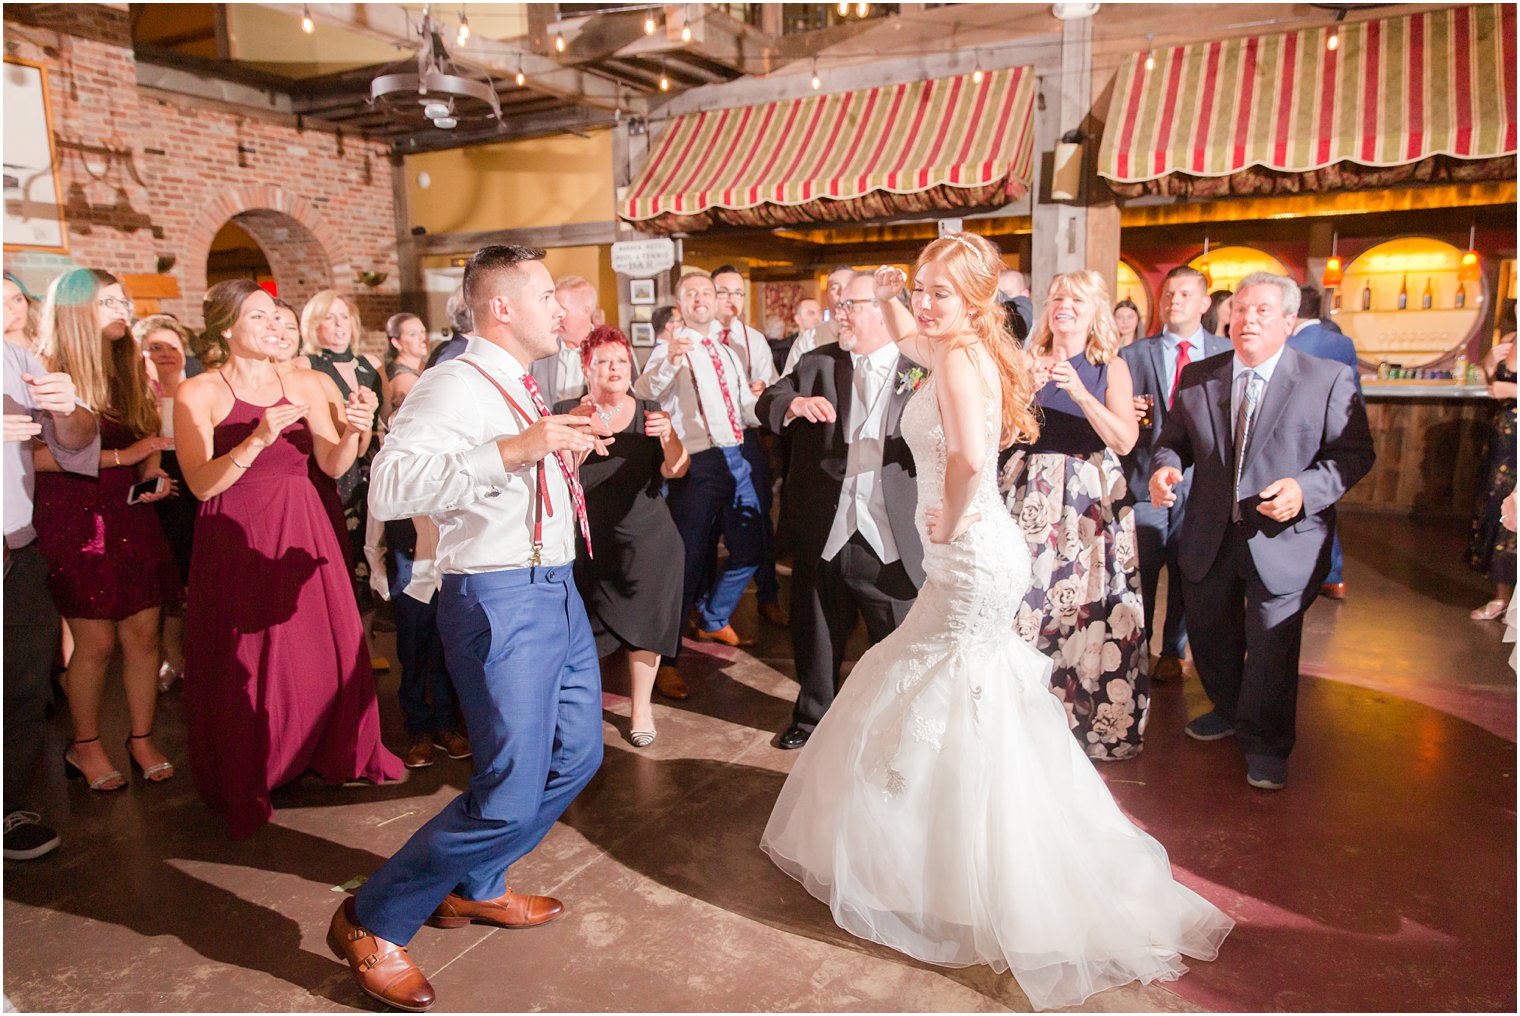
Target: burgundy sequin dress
(107,559)
(277,675)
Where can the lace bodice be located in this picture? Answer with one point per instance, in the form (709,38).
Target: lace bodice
(923,429)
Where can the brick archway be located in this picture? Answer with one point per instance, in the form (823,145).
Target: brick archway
(305,253)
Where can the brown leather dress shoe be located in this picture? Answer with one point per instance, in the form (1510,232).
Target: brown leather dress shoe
(1333,590)
(1168,668)
(773,613)
(509,910)
(383,970)
(667,681)
(725,635)
(420,754)
(454,744)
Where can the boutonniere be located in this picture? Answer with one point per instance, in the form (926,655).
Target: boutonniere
(909,380)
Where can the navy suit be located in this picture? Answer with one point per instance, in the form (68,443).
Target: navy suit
(1325,340)
(1158,530)
(1248,583)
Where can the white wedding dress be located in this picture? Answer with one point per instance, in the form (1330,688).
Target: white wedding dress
(942,806)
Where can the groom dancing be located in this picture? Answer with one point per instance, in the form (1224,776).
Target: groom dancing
(474,449)
(851,495)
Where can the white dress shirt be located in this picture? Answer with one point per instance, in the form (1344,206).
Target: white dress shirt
(1171,344)
(754,352)
(440,460)
(862,505)
(1237,388)
(569,379)
(678,387)
(826,332)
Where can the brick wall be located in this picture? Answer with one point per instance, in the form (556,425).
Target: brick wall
(174,175)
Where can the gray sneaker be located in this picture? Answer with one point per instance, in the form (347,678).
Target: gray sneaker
(26,838)
(1211,726)
(1266,772)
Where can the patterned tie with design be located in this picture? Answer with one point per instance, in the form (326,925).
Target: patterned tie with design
(728,400)
(1245,415)
(1182,361)
(577,495)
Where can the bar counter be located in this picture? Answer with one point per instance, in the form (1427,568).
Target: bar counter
(1431,439)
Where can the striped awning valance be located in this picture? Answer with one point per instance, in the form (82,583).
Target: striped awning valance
(1395,92)
(942,144)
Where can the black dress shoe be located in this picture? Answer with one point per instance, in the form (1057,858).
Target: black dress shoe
(793,737)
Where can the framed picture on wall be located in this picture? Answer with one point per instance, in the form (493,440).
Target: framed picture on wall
(641,333)
(33,205)
(641,292)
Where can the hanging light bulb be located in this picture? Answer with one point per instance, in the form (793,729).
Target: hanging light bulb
(685,33)
(1334,271)
(816,82)
(844,9)
(307,25)
(521,77)
(1467,268)
(649,24)
(977,76)
(559,41)
(862,9)
(1150,58)
(464,28)
(664,82)
(1333,43)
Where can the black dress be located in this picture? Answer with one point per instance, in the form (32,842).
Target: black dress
(353,486)
(1491,549)
(632,589)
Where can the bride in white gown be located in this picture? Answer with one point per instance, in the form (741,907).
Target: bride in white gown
(942,806)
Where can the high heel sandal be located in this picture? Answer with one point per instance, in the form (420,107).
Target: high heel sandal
(1490,611)
(167,675)
(72,770)
(151,771)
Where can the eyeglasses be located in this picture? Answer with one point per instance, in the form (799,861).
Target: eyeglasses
(729,292)
(116,303)
(849,305)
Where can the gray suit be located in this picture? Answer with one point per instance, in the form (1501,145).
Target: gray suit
(1158,531)
(546,372)
(1311,426)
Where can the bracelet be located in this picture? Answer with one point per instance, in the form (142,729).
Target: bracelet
(232,459)
(115,454)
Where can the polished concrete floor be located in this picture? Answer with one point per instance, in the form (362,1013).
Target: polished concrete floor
(1382,879)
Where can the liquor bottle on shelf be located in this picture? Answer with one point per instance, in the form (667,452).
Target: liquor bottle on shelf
(1367,295)
(1461,300)
(1428,297)
(1459,369)
(1404,293)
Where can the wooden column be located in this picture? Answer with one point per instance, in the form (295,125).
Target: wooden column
(413,293)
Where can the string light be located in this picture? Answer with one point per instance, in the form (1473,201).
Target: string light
(664,81)
(817,82)
(977,75)
(649,24)
(307,25)
(464,28)
(1150,58)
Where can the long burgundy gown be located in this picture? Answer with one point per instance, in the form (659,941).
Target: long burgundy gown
(277,674)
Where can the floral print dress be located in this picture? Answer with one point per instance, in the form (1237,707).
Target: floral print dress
(1083,608)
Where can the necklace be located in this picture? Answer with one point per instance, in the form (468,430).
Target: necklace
(605,415)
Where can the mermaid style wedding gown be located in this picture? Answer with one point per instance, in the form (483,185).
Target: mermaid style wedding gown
(942,806)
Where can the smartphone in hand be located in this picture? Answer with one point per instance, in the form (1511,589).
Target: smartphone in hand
(152,485)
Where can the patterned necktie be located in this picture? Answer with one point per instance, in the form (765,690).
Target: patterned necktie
(577,495)
(728,400)
(1245,415)
(1182,361)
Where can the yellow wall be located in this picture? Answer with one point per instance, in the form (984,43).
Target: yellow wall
(592,263)
(548,181)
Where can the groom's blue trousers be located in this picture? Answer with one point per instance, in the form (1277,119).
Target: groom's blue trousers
(524,663)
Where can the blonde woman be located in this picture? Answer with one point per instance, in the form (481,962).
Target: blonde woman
(329,328)
(111,569)
(941,806)
(1067,491)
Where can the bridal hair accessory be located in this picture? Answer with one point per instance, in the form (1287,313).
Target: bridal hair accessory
(960,238)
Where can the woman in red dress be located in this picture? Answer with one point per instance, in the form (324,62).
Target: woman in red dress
(277,677)
(111,571)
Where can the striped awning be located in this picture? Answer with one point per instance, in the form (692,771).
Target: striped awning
(1395,92)
(950,143)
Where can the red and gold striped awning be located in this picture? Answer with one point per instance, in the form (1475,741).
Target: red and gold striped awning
(1398,92)
(951,143)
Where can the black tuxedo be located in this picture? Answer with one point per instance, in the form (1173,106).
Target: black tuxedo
(1311,426)
(828,596)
